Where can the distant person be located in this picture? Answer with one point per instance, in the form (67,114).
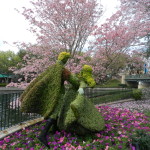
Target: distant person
(145,69)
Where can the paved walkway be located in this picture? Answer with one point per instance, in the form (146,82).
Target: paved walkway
(140,106)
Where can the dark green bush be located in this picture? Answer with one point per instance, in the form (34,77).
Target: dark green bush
(137,94)
(122,85)
(3,84)
(141,140)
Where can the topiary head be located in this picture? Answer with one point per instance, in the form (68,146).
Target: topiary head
(86,75)
(63,57)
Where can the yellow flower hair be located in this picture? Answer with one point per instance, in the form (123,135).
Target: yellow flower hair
(86,75)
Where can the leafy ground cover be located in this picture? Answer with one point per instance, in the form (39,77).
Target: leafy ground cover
(120,126)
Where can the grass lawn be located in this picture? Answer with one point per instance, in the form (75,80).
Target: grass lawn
(120,126)
(114,83)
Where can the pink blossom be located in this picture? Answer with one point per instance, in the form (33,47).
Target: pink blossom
(61,139)
(107,147)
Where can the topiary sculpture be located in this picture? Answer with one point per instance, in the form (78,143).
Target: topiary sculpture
(44,95)
(69,110)
(79,114)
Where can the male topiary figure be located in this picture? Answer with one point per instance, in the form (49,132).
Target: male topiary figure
(70,110)
(44,95)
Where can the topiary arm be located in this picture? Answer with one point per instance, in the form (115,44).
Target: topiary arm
(74,81)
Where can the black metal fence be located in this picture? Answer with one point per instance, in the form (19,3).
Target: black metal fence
(10,113)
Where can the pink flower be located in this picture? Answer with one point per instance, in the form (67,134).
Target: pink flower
(98,135)
(79,147)
(3,147)
(61,139)
(107,147)
(107,137)
(6,140)
(14,143)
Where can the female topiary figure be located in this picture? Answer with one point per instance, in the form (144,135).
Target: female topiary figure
(78,114)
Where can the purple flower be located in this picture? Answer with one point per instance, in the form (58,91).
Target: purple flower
(133,148)
(120,147)
(107,137)
(1,142)
(7,140)
(54,143)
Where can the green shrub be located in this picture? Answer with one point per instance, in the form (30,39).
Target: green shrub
(147,113)
(122,85)
(141,140)
(3,84)
(137,94)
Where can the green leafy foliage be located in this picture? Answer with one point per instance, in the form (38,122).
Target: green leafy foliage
(9,59)
(3,84)
(137,94)
(141,139)
(147,113)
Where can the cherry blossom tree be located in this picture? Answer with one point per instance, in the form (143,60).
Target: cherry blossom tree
(110,47)
(137,14)
(135,63)
(59,25)
(121,33)
(63,24)
(139,11)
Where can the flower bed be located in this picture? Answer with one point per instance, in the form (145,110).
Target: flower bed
(120,126)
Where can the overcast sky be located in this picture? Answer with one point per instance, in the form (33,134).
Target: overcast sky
(13,26)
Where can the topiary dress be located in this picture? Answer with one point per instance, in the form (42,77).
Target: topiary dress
(78,114)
